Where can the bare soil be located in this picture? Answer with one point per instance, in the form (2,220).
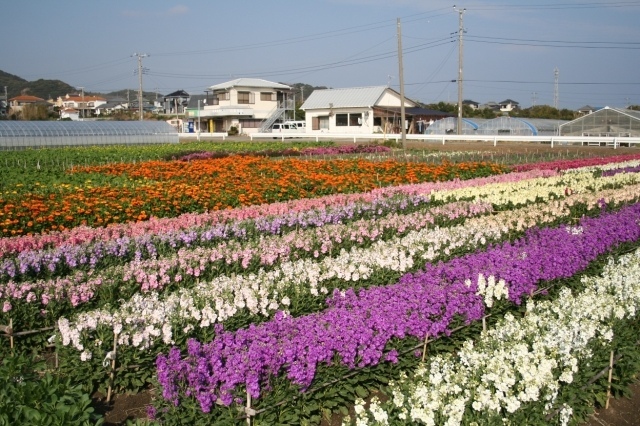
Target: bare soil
(621,412)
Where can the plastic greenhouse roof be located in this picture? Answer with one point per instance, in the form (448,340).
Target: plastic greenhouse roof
(11,128)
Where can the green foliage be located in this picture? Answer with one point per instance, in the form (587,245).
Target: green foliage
(444,107)
(544,111)
(30,395)
(27,169)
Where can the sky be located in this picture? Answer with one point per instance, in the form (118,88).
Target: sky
(564,53)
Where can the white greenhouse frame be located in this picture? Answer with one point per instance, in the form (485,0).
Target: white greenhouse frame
(49,134)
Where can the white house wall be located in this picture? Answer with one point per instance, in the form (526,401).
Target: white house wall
(389,99)
(231,111)
(365,128)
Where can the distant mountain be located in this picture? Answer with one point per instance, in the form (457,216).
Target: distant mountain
(44,89)
(51,89)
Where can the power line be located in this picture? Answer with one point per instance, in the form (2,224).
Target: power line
(306,38)
(570,45)
(624,43)
(320,67)
(561,6)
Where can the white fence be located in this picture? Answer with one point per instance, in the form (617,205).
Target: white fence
(203,135)
(613,142)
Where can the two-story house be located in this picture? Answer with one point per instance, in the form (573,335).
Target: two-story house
(509,105)
(176,102)
(472,104)
(17,104)
(249,104)
(78,107)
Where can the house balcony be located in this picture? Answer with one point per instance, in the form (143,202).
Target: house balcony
(221,111)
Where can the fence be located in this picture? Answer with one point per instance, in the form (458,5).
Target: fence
(613,142)
(203,135)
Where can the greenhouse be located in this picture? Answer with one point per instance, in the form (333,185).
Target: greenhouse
(449,125)
(497,126)
(507,126)
(607,122)
(43,134)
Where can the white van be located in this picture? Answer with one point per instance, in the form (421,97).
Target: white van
(300,126)
(283,128)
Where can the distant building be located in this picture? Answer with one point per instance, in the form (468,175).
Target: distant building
(509,105)
(491,105)
(587,109)
(17,104)
(175,102)
(84,105)
(473,104)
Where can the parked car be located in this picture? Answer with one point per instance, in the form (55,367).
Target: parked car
(300,126)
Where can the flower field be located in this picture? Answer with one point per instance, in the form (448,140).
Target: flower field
(271,289)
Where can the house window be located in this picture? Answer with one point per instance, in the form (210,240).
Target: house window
(247,123)
(320,122)
(224,96)
(355,119)
(267,96)
(246,98)
(342,119)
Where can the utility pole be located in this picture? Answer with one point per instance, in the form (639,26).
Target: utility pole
(82,109)
(556,96)
(460,31)
(400,70)
(198,120)
(140,70)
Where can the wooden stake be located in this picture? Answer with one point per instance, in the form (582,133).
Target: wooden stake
(248,408)
(424,347)
(484,324)
(606,406)
(113,366)
(11,333)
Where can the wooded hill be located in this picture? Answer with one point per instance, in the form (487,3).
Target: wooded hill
(51,89)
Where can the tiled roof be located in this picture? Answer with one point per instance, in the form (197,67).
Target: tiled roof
(249,82)
(26,98)
(345,98)
(177,94)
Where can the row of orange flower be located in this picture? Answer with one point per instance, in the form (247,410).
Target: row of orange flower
(165,189)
